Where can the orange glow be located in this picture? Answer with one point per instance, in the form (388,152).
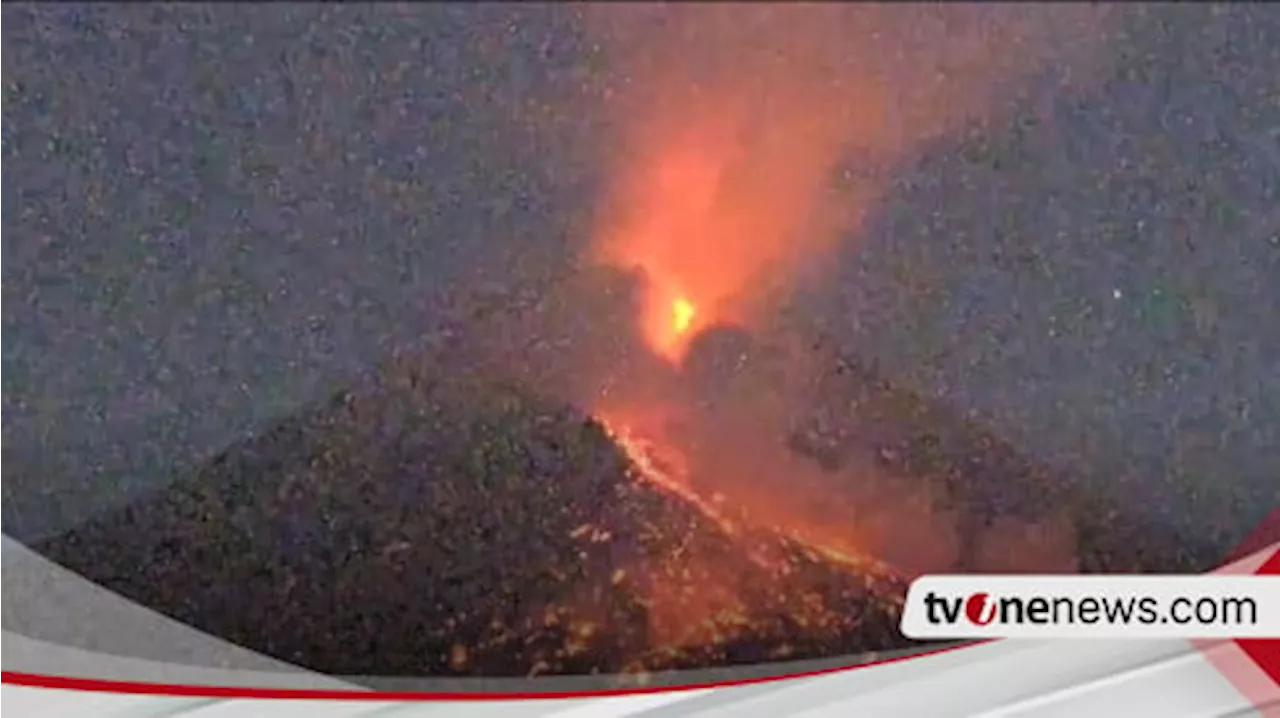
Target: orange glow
(704,234)
(734,123)
(732,170)
(682,616)
(664,466)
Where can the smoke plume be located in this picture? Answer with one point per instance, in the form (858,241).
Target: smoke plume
(747,142)
(749,139)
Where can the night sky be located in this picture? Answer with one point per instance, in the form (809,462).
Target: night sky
(217,214)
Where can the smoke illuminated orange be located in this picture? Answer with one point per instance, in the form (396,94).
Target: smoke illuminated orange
(733,168)
(734,122)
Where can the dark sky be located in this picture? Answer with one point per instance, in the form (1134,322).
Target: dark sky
(1100,278)
(215,214)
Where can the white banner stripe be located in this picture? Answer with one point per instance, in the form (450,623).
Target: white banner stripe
(619,706)
(1076,694)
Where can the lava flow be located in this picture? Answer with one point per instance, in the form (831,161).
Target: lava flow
(662,468)
(656,468)
(711,597)
(743,577)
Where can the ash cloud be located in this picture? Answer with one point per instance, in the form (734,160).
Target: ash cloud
(731,122)
(732,129)
(726,131)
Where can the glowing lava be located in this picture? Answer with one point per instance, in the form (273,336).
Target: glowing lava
(753,139)
(670,320)
(665,468)
(699,595)
(682,315)
(663,474)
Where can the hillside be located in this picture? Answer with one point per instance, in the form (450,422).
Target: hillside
(462,528)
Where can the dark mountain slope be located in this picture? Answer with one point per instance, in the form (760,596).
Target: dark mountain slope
(467,528)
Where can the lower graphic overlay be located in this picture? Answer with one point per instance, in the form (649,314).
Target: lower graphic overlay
(1034,673)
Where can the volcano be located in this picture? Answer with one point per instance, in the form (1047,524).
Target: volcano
(434,527)
(444,524)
